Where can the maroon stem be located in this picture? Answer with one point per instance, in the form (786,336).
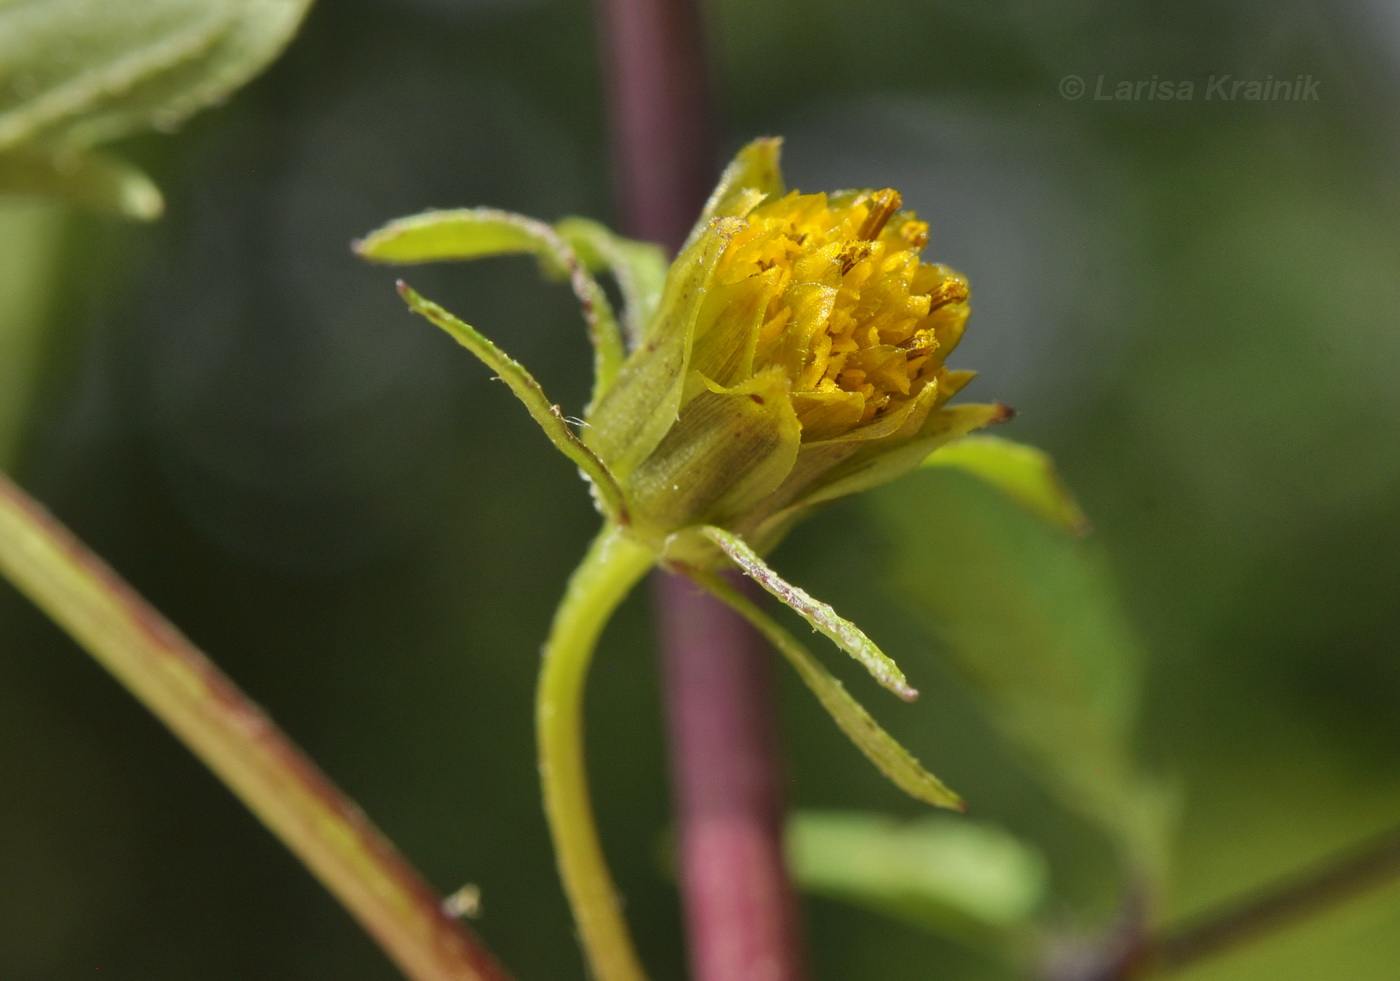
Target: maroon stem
(659,112)
(741,913)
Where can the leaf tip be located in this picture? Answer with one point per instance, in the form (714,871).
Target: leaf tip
(143,203)
(415,300)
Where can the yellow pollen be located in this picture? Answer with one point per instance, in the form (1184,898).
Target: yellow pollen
(883,205)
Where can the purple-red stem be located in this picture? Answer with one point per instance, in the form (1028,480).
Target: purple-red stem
(659,112)
(740,909)
(741,913)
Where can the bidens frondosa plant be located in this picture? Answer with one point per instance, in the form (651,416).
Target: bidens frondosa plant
(793,353)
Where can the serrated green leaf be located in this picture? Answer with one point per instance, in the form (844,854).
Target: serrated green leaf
(63,59)
(841,632)
(1031,619)
(85,178)
(889,757)
(969,880)
(79,72)
(1023,473)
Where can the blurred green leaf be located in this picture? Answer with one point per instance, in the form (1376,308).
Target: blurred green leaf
(968,880)
(83,177)
(79,72)
(1031,619)
(1025,474)
(30,240)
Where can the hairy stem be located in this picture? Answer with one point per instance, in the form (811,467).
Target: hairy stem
(238,742)
(613,565)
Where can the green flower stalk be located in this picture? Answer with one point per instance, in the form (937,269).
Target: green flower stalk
(792,354)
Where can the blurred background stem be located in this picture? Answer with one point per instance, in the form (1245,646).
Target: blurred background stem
(1307,893)
(31,232)
(1128,952)
(740,909)
(659,112)
(238,742)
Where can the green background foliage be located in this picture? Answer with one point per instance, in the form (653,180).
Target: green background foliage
(1192,304)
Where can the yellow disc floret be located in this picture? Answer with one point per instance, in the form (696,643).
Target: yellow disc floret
(853,318)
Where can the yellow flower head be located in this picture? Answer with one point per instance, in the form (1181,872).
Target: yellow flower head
(797,355)
(855,322)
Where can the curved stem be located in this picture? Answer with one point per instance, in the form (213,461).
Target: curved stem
(611,568)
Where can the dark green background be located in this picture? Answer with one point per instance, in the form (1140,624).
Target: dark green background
(1193,304)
